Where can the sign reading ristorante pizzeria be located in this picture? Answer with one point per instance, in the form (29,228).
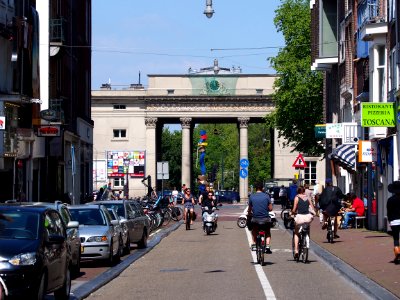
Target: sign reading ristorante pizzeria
(377,114)
(49,131)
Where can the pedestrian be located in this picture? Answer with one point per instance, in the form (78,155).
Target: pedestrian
(174,195)
(393,215)
(292,192)
(99,194)
(283,196)
(356,209)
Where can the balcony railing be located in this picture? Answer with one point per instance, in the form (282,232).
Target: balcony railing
(370,11)
(57,30)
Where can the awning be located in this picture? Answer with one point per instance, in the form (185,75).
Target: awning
(345,156)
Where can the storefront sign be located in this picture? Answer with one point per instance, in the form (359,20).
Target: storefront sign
(49,131)
(377,114)
(367,151)
(48,115)
(350,133)
(320,131)
(334,130)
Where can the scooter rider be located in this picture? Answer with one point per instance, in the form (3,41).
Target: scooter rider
(259,206)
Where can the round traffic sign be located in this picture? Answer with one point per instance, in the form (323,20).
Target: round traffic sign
(244,162)
(243,173)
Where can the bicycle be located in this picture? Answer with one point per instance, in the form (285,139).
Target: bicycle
(260,246)
(330,235)
(304,243)
(176,213)
(188,219)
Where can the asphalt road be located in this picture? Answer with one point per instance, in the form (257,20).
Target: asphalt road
(191,265)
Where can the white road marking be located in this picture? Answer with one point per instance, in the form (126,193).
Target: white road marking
(269,293)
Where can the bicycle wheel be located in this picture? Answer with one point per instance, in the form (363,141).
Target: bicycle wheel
(177,213)
(263,246)
(283,212)
(188,220)
(166,218)
(304,249)
(258,249)
(293,246)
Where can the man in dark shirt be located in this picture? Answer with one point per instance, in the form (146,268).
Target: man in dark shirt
(259,207)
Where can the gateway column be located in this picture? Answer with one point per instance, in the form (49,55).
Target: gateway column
(151,163)
(186,163)
(244,153)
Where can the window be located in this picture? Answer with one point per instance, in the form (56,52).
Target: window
(119,106)
(119,133)
(170,92)
(259,91)
(310,173)
(393,70)
(119,182)
(380,66)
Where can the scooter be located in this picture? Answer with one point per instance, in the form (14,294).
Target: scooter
(242,220)
(210,219)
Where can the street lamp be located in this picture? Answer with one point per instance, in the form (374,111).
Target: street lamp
(126,185)
(209,10)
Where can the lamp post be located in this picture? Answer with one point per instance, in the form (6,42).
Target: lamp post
(126,185)
(209,11)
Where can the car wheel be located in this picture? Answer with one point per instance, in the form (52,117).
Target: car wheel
(41,288)
(127,249)
(143,242)
(234,202)
(76,268)
(110,259)
(63,292)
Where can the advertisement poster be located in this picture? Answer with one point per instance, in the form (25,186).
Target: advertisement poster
(120,163)
(334,130)
(367,151)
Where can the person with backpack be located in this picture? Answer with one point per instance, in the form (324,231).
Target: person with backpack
(330,203)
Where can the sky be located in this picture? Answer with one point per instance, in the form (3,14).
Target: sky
(170,36)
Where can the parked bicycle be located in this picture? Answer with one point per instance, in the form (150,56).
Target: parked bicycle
(304,243)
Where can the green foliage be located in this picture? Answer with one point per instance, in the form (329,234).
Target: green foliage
(171,151)
(298,96)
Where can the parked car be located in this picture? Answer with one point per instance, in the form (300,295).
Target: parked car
(73,238)
(99,238)
(133,216)
(34,255)
(122,228)
(227,196)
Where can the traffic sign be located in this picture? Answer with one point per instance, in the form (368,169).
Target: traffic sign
(244,162)
(299,162)
(243,173)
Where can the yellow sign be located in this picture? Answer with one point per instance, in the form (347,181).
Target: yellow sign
(377,114)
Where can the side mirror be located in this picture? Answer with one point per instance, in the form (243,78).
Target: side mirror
(73,224)
(56,239)
(114,222)
(122,219)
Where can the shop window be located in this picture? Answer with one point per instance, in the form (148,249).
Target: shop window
(310,173)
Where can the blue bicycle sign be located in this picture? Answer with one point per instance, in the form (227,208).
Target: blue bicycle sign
(244,163)
(243,173)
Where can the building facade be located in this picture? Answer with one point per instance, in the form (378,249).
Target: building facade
(45,122)
(361,78)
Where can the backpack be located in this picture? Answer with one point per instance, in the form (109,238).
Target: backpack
(331,194)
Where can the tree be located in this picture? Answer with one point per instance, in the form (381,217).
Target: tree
(298,97)
(171,151)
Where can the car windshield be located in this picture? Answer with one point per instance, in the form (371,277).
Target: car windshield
(118,207)
(19,224)
(86,216)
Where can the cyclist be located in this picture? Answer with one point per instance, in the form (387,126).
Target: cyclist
(259,207)
(301,208)
(330,203)
(188,203)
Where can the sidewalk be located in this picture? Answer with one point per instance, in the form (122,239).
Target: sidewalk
(369,252)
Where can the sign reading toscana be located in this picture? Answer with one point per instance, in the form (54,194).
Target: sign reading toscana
(377,115)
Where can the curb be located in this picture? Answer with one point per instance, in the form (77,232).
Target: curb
(89,287)
(366,285)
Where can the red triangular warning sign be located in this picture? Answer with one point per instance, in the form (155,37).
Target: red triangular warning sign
(299,162)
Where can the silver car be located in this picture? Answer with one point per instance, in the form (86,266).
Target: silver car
(99,238)
(122,228)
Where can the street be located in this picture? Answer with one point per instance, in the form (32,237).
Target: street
(189,264)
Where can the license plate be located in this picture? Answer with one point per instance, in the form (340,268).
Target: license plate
(82,249)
